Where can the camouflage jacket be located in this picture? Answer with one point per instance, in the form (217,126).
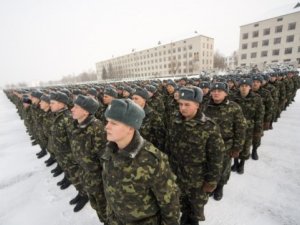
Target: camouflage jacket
(139,183)
(253,110)
(281,90)
(46,124)
(268,103)
(229,116)
(156,102)
(196,148)
(61,131)
(88,143)
(153,129)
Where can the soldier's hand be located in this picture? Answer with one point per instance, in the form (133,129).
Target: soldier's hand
(266,125)
(208,187)
(234,153)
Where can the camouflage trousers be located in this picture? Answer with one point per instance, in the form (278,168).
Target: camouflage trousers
(93,186)
(245,153)
(226,169)
(192,201)
(114,220)
(70,169)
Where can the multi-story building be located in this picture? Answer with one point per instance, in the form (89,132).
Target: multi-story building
(271,41)
(184,57)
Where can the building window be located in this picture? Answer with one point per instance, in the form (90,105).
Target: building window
(244,56)
(267,31)
(190,47)
(256,25)
(264,53)
(292,26)
(253,55)
(299,49)
(245,36)
(179,56)
(286,60)
(255,34)
(265,43)
(179,49)
(278,29)
(280,19)
(275,52)
(184,48)
(277,40)
(288,51)
(244,46)
(298,60)
(254,44)
(290,38)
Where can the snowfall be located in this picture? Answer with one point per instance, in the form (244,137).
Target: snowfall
(268,193)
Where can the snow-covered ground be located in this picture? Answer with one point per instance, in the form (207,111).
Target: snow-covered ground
(267,194)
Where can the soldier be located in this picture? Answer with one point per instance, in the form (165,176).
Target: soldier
(61,131)
(155,100)
(108,95)
(195,147)
(275,95)
(268,109)
(229,116)
(205,87)
(88,142)
(253,111)
(139,185)
(153,128)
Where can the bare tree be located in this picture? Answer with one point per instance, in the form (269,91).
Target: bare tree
(219,61)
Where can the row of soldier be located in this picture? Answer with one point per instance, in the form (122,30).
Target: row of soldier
(180,139)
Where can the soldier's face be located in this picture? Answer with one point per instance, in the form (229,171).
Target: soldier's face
(188,109)
(126,93)
(139,100)
(205,90)
(244,89)
(218,95)
(117,131)
(56,106)
(170,89)
(44,106)
(256,85)
(79,113)
(107,99)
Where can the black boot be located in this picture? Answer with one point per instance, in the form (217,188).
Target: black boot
(41,153)
(254,153)
(234,167)
(218,193)
(81,203)
(240,169)
(75,200)
(57,168)
(65,184)
(50,161)
(58,172)
(59,183)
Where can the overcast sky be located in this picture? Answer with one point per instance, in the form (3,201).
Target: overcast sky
(45,40)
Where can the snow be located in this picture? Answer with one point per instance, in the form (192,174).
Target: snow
(267,194)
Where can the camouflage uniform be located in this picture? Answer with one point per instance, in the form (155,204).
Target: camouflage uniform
(139,185)
(275,95)
(253,111)
(61,131)
(229,116)
(268,109)
(153,129)
(281,96)
(37,129)
(196,157)
(156,102)
(88,143)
